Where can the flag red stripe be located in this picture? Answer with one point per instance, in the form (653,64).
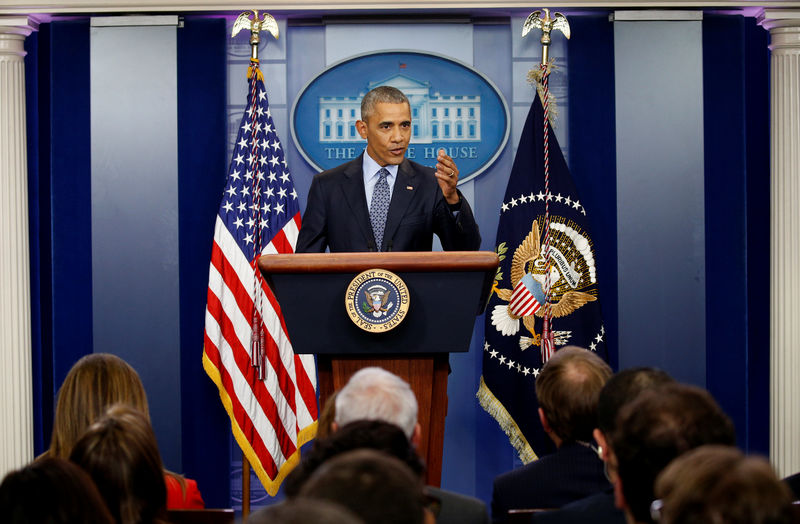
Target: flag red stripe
(242,358)
(305,387)
(281,243)
(239,413)
(245,304)
(522,301)
(527,307)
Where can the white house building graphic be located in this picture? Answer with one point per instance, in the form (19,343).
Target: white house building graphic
(443,118)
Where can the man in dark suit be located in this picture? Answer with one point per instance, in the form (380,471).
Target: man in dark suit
(652,430)
(600,508)
(568,388)
(382,201)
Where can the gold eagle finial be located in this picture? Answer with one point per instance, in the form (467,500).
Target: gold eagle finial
(255,25)
(547,24)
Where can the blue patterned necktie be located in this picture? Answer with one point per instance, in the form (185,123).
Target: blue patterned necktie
(379,207)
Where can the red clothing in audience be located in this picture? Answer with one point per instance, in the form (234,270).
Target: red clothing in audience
(177,500)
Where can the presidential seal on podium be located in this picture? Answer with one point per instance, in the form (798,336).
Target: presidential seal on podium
(377,300)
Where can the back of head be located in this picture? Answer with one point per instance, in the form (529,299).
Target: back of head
(624,387)
(717,484)
(361,434)
(661,424)
(568,388)
(54,491)
(375,394)
(120,453)
(94,383)
(378,488)
(327,416)
(303,511)
(381,95)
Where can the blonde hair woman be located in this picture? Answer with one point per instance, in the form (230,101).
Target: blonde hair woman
(96,382)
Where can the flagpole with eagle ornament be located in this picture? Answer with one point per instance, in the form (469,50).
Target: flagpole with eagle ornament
(546,24)
(257,351)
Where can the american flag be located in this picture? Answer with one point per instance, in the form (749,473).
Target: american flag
(268,391)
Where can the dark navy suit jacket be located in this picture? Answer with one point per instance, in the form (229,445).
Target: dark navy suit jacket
(594,509)
(574,471)
(337,216)
(456,508)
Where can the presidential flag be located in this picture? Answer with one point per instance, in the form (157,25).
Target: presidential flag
(267,390)
(512,355)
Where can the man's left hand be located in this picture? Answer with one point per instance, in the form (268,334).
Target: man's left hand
(447,176)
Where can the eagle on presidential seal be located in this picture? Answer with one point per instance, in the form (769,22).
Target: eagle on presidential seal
(572,281)
(377,301)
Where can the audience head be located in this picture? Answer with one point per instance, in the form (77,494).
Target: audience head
(375,394)
(94,383)
(303,511)
(618,391)
(651,430)
(327,417)
(53,491)
(120,453)
(568,388)
(381,95)
(378,488)
(361,434)
(717,484)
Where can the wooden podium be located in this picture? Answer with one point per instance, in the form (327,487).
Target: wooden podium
(446,290)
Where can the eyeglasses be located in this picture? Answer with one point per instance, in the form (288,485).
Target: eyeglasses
(655,509)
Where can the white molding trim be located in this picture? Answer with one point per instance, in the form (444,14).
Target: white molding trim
(134,21)
(18,25)
(655,15)
(293,6)
(773,18)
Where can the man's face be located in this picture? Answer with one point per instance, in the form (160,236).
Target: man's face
(388,131)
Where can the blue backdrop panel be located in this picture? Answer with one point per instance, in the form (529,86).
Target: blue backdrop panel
(757,87)
(475,447)
(70,158)
(660,211)
(735,158)
(135,268)
(201,178)
(592,147)
(726,220)
(60,207)
(39,235)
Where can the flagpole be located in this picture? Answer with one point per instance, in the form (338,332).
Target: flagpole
(245,487)
(546,25)
(257,341)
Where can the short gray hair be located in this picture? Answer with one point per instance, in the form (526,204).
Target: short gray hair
(381,94)
(375,394)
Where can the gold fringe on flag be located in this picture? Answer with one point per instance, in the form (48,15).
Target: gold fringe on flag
(495,408)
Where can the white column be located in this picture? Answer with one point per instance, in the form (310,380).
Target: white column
(16,406)
(784,347)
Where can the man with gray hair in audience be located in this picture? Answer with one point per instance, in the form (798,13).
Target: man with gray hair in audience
(373,393)
(376,394)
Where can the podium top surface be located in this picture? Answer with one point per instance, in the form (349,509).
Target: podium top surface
(399,261)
